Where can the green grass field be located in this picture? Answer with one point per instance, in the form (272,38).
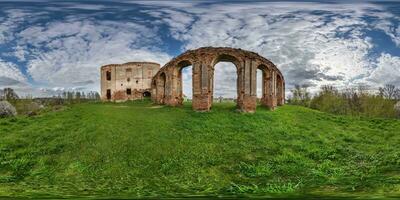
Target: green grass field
(137,149)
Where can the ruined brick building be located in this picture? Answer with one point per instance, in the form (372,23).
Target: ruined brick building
(129,81)
(137,79)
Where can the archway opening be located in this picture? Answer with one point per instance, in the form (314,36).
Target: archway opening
(108,94)
(260,86)
(146,94)
(225,82)
(185,82)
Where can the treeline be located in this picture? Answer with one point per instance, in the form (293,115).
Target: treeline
(76,96)
(9,94)
(358,101)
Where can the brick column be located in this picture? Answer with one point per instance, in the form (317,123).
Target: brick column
(201,86)
(283,92)
(160,89)
(248,80)
(271,100)
(280,92)
(170,88)
(265,87)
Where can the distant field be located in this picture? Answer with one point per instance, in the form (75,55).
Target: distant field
(136,149)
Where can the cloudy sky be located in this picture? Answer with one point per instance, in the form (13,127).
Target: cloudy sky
(51,46)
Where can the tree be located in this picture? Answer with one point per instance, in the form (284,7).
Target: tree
(301,96)
(329,99)
(70,96)
(78,96)
(96,95)
(397,95)
(9,94)
(388,91)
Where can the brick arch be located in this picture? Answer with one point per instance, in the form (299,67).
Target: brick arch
(203,61)
(224,57)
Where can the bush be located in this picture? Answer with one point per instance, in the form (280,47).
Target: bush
(7,110)
(356,102)
(32,108)
(301,96)
(397,108)
(377,106)
(329,100)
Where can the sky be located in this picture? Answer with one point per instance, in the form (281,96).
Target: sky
(47,47)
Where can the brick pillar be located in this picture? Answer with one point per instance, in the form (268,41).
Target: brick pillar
(170,88)
(283,92)
(248,80)
(265,85)
(153,91)
(280,91)
(179,89)
(271,101)
(159,90)
(174,89)
(240,84)
(201,86)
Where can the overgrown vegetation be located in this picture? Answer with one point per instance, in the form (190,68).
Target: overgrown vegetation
(355,102)
(137,149)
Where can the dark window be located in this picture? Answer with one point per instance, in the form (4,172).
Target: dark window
(108,75)
(129,70)
(128,79)
(108,94)
(128,91)
(137,81)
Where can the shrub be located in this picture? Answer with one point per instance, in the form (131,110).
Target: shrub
(32,108)
(356,102)
(329,100)
(377,106)
(397,108)
(301,96)
(7,110)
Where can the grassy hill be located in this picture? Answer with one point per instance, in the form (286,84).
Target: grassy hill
(137,149)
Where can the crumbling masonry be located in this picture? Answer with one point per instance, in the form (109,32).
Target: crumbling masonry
(129,81)
(166,87)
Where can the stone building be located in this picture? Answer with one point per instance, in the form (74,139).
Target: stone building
(129,81)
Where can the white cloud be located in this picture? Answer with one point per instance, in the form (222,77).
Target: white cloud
(19,53)
(11,76)
(77,49)
(387,72)
(13,19)
(316,49)
(10,72)
(389,27)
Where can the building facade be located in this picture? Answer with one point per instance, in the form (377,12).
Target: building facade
(128,81)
